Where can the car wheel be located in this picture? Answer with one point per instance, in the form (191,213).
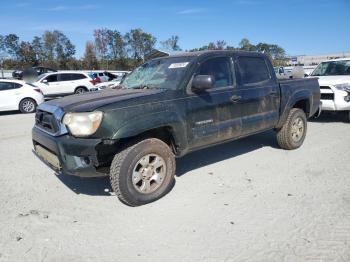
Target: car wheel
(27,105)
(80,90)
(143,172)
(292,134)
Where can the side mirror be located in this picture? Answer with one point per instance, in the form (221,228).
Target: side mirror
(44,81)
(202,82)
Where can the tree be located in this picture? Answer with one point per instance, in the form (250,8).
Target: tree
(38,48)
(64,49)
(101,43)
(116,44)
(26,54)
(90,59)
(58,49)
(171,43)
(245,45)
(140,43)
(11,45)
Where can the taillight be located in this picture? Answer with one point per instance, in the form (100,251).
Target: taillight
(93,82)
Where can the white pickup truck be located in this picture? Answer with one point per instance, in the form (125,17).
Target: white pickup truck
(334,79)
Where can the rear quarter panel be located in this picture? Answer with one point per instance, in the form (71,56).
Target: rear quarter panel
(296,90)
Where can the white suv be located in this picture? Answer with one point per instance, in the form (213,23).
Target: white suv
(65,83)
(334,79)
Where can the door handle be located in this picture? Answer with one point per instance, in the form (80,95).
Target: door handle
(235,98)
(273,93)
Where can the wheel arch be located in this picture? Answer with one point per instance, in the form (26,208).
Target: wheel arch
(301,100)
(86,89)
(166,126)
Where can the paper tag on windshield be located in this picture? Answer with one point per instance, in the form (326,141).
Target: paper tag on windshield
(178,65)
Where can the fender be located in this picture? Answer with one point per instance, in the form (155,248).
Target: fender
(140,124)
(297,96)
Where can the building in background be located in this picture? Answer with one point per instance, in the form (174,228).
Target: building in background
(312,60)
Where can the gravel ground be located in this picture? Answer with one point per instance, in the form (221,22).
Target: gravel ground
(242,201)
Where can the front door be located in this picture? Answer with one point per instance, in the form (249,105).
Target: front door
(213,115)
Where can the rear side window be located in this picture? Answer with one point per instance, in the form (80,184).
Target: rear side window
(253,70)
(78,76)
(8,86)
(64,77)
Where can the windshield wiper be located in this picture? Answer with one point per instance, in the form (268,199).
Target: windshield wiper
(144,87)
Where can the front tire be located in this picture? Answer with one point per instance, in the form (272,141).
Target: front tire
(27,106)
(143,172)
(292,134)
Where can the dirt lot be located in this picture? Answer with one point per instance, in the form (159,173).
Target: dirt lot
(242,201)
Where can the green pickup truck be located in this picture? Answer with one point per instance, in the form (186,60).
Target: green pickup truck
(165,109)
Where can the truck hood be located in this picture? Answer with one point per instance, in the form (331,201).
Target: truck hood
(91,101)
(333,80)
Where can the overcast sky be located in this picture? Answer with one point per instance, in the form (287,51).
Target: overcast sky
(299,26)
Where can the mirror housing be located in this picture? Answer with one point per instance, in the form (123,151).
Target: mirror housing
(202,82)
(44,81)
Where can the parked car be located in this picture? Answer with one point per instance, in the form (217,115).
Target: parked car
(31,72)
(283,73)
(167,108)
(111,84)
(18,95)
(65,83)
(95,78)
(334,79)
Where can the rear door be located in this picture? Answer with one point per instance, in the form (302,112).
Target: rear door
(259,93)
(67,85)
(212,115)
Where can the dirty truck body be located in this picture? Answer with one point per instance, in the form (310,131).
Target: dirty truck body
(186,102)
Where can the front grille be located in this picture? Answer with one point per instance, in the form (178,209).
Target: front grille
(327,96)
(46,121)
(325,88)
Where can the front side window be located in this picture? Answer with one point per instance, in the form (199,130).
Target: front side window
(51,78)
(220,69)
(253,70)
(332,68)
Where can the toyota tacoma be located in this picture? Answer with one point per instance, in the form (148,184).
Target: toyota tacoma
(165,109)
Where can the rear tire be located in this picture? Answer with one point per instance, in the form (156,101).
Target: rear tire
(80,90)
(143,172)
(292,134)
(27,106)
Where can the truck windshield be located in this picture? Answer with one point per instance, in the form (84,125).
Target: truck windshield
(332,68)
(162,73)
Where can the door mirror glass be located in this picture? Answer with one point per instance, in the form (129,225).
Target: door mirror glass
(202,82)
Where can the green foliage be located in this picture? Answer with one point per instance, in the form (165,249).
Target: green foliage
(171,44)
(110,50)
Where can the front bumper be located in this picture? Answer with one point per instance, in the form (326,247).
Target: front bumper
(336,103)
(76,156)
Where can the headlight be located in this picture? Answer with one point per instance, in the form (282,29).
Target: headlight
(83,124)
(343,87)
